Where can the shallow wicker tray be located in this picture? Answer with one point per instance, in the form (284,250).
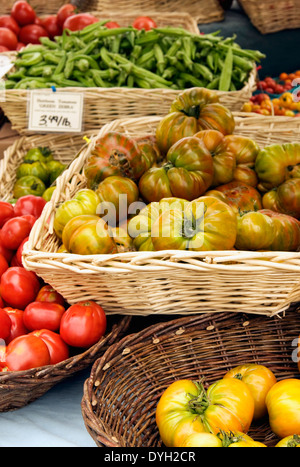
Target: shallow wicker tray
(167,282)
(19,388)
(269,16)
(202,10)
(120,396)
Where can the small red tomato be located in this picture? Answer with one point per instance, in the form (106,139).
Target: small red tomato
(111,25)
(8,254)
(18,255)
(79,22)
(48,294)
(83,324)
(8,38)
(64,12)
(58,349)
(279,89)
(144,22)
(29,204)
(17,325)
(51,25)
(3,265)
(38,21)
(6,212)
(43,315)
(270,90)
(7,21)
(25,352)
(31,33)
(14,231)
(5,324)
(23,13)
(19,287)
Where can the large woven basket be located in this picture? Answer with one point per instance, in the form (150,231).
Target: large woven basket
(202,10)
(269,16)
(120,396)
(19,388)
(167,282)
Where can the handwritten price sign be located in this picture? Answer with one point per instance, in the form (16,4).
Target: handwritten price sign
(55,112)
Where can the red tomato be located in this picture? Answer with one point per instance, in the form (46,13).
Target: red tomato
(4,49)
(14,231)
(48,294)
(20,46)
(31,34)
(15,262)
(3,265)
(29,204)
(17,325)
(1,303)
(9,22)
(83,324)
(19,287)
(5,324)
(6,212)
(112,25)
(144,22)
(8,254)
(23,13)
(38,21)
(30,218)
(18,255)
(26,352)
(43,315)
(58,349)
(79,22)
(51,25)
(64,12)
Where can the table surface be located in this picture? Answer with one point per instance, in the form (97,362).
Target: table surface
(55,419)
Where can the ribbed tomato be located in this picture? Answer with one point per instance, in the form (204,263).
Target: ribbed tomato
(254,231)
(286,232)
(285,198)
(241,197)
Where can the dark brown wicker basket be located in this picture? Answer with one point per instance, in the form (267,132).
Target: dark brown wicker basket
(19,388)
(120,396)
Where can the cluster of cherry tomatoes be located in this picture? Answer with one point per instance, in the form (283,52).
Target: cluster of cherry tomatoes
(23,26)
(263,104)
(37,327)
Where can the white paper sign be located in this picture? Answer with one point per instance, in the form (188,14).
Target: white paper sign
(55,111)
(5,65)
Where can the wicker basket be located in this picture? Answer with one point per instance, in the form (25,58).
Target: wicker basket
(202,10)
(118,412)
(19,388)
(64,148)
(269,16)
(102,105)
(168,282)
(41,8)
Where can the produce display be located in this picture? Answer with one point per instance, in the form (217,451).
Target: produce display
(37,327)
(188,415)
(99,56)
(200,187)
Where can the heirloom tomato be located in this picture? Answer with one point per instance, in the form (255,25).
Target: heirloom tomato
(187,173)
(14,231)
(29,204)
(241,197)
(19,287)
(73,224)
(286,233)
(36,168)
(55,168)
(233,155)
(6,212)
(5,325)
(291,441)
(255,231)
(41,153)
(43,315)
(185,408)
(83,324)
(122,239)
(239,440)
(116,194)
(26,352)
(48,294)
(113,154)
(28,185)
(193,110)
(283,405)
(259,379)
(277,163)
(206,224)
(17,324)
(150,154)
(58,349)
(85,201)
(91,237)
(140,226)
(285,198)
(201,440)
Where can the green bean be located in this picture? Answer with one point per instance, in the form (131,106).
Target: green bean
(225,78)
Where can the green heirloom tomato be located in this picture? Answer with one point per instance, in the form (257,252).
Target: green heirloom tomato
(85,201)
(47,195)
(205,224)
(241,197)
(150,154)
(255,231)
(42,154)
(55,168)
(187,173)
(285,198)
(35,168)
(29,185)
(286,236)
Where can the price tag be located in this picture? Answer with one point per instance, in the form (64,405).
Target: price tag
(55,112)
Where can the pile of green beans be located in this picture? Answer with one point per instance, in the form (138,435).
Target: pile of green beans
(168,57)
